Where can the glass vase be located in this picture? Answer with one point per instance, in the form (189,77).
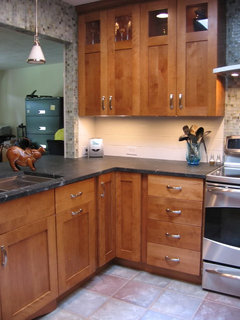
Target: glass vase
(193,155)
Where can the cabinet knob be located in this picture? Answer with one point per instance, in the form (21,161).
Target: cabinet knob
(74,213)
(171,96)
(103,102)
(73,196)
(180,105)
(174,236)
(176,212)
(174,187)
(168,259)
(103,187)
(3,256)
(110,102)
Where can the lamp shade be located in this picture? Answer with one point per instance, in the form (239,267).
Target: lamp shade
(36,55)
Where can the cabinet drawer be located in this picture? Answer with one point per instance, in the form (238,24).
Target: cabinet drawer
(188,261)
(44,107)
(74,195)
(175,187)
(43,125)
(173,234)
(16,213)
(175,210)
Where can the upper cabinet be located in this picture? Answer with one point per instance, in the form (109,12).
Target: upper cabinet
(151,58)
(109,44)
(179,49)
(158,58)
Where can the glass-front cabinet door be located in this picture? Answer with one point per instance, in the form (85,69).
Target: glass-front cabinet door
(198,41)
(92,63)
(123,60)
(158,58)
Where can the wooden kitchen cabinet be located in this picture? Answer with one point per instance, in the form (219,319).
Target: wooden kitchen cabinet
(28,278)
(173,223)
(132,62)
(178,55)
(158,58)
(109,69)
(106,218)
(128,215)
(76,232)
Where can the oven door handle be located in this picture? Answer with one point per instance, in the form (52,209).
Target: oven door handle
(222,189)
(223,274)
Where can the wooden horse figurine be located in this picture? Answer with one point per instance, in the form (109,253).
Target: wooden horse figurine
(19,157)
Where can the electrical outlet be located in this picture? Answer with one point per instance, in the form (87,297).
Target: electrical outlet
(84,151)
(131,151)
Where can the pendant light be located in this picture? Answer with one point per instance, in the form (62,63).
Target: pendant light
(36,55)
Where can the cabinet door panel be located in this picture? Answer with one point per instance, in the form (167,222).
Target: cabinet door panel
(158,78)
(29,279)
(196,78)
(197,55)
(106,219)
(128,211)
(76,245)
(123,82)
(92,76)
(124,60)
(158,59)
(92,63)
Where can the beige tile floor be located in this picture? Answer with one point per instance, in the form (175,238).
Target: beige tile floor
(120,293)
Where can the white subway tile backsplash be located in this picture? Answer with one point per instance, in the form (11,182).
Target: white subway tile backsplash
(154,137)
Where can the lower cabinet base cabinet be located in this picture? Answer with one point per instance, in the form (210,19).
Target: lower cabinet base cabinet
(128,216)
(28,269)
(106,218)
(76,233)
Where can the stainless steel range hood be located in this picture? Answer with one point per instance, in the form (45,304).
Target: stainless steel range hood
(233,70)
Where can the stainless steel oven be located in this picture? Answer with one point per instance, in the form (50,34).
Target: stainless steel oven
(221,242)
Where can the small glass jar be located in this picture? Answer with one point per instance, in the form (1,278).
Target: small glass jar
(218,160)
(193,155)
(212,160)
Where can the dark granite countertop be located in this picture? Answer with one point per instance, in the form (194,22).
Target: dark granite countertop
(73,170)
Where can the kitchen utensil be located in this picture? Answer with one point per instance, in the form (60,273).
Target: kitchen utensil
(186,130)
(199,134)
(193,129)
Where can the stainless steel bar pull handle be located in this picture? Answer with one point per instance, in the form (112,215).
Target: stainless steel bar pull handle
(103,187)
(73,196)
(174,236)
(110,102)
(177,212)
(168,259)
(222,189)
(103,102)
(74,213)
(180,105)
(223,274)
(174,187)
(171,96)
(3,256)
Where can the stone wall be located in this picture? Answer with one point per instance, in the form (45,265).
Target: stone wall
(232,107)
(57,20)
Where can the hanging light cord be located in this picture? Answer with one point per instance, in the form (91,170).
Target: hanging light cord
(36,35)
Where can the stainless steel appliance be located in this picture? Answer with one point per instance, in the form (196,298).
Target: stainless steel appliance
(221,242)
